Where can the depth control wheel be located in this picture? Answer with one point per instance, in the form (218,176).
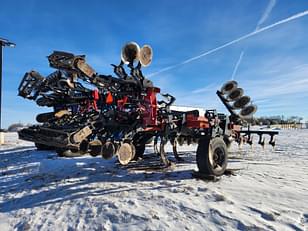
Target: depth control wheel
(212,156)
(126,153)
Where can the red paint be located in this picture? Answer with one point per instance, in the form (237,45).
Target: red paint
(150,107)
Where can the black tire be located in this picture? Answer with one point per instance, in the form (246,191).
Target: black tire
(139,141)
(43,147)
(68,153)
(140,148)
(212,156)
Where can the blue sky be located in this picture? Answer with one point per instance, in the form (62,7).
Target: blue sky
(273,69)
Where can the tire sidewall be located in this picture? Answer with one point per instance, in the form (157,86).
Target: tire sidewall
(205,151)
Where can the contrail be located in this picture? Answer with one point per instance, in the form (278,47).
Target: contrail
(237,65)
(266,13)
(263,18)
(291,18)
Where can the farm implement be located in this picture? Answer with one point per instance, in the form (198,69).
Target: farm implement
(108,116)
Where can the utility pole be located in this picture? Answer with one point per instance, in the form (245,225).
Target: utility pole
(3,43)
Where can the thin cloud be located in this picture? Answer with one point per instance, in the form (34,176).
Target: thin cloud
(292,81)
(266,13)
(208,88)
(263,29)
(263,18)
(301,66)
(237,65)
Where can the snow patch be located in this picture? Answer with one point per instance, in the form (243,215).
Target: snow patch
(41,191)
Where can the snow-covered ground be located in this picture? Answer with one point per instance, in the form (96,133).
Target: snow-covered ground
(40,191)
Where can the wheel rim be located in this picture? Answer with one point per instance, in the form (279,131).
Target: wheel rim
(217,158)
